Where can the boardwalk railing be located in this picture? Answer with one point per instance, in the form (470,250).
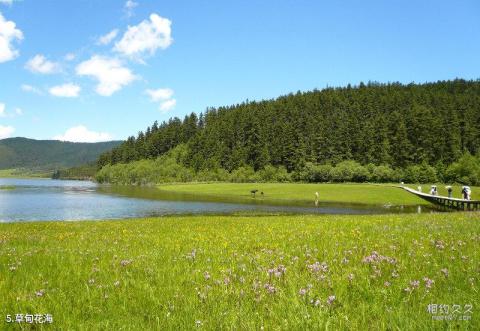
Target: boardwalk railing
(452,203)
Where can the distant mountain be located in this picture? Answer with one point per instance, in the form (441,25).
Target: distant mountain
(49,154)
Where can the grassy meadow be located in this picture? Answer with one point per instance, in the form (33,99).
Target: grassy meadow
(245,272)
(346,193)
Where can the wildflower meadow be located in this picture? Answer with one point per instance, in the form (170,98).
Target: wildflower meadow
(276,272)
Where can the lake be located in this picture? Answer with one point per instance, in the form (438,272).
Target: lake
(45,199)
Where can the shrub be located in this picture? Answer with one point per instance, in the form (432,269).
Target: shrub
(420,174)
(383,174)
(243,175)
(273,174)
(466,170)
(349,171)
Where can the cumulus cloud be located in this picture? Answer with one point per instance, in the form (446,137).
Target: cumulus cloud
(146,37)
(110,73)
(6,131)
(159,94)
(107,39)
(164,97)
(81,134)
(39,64)
(18,111)
(8,34)
(129,7)
(66,90)
(2,110)
(167,105)
(30,88)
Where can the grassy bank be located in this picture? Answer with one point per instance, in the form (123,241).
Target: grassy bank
(348,193)
(226,272)
(24,173)
(7,187)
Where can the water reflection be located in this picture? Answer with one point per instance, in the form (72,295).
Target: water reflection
(39,199)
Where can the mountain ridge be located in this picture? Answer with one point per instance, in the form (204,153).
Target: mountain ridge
(49,154)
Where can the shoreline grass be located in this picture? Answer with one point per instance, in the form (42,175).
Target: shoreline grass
(378,194)
(232,272)
(24,174)
(7,187)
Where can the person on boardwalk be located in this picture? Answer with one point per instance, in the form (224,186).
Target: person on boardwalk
(449,190)
(433,191)
(469,192)
(464,193)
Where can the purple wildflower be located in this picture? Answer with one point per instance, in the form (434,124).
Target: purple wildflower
(124,263)
(428,282)
(414,283)
(318,267)
(270,288)
(331,299)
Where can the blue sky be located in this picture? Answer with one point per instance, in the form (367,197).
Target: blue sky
(157,59)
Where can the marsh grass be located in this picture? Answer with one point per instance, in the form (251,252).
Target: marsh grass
(242,272)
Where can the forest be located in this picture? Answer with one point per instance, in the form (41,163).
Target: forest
(370,132)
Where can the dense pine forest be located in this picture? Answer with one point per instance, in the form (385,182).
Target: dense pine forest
(379,132)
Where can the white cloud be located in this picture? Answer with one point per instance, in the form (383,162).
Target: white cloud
(30,88)
(129,7)
(164,97)
(159,94)
(106,39)
(145,37)
(65,90)
(6,2)
(39,64)
(8,34)
(6,131)
(81,134)
(109,72)
(165,106)
(70,57)
(3,111)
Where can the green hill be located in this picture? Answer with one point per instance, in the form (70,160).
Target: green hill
(47,155)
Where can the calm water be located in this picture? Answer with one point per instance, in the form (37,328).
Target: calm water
(43,199)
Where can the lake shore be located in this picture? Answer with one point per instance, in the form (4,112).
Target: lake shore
(223,272)
(377,194)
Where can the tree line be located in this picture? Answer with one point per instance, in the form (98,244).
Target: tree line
(394,125)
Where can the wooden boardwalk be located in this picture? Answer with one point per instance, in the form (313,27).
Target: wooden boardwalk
(451,203)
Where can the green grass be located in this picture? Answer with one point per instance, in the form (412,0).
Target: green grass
(24,173)
(168,273)
(347,193)
(7,187)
